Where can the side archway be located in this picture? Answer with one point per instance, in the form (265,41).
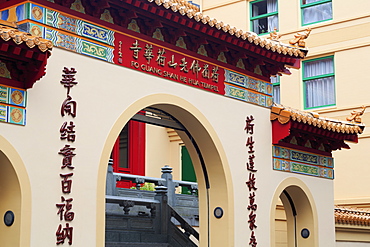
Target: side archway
(300,212)
(15,194)
(217,193)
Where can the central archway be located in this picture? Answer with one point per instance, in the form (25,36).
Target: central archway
(216,192)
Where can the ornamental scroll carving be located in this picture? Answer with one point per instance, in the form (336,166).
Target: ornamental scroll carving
(356,115)
(299,38)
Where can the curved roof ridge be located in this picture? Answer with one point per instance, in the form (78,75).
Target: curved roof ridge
(285,114)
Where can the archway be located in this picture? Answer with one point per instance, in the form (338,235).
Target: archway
(15,194)
(211,168)
(299,212)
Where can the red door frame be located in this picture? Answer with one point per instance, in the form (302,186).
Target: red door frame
(136,153)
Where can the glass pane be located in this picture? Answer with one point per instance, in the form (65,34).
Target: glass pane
(276,93)
(260,26)
(123,148)
(317,13)
(318,67)
(265,25)
(320,92)
(264,7)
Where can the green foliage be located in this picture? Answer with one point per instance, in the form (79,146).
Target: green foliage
(146,186)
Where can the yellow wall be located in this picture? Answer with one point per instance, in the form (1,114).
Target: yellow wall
(347,37)
(10,195)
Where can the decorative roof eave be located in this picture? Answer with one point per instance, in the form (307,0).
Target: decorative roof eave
(351,216)
(25,56)
(18,37)
(251,37)
(308,131)
(285,114)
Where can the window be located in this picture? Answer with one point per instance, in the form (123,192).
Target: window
(318,80)
(314,11)
(276,88)
(264,16)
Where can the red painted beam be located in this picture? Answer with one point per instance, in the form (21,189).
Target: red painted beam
(29,54)
(160,12)
(168,15)
(145,6)
(137,3)
(175,18)
(17,50)
(4,47)
(152,10)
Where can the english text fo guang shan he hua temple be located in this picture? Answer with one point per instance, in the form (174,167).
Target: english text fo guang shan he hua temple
(74,73)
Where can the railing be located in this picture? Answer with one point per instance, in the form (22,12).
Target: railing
(188,229)
(161,206)
(140,180)
(165,180)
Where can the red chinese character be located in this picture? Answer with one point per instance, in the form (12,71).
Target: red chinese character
(250,144)
(135,47)
(252,182)
(66,183)
(252,205)
(252,220)
(68,216)
(69,107)
(68,154)
(63,233)
(67,132)
(253,240)
(68,78)
(249,125)
(250,164)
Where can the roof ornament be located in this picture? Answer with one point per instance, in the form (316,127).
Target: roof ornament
(299,38)
(274,35)
(356,115)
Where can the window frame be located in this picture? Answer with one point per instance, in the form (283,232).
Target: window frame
(253,18)
(304,6)
(277,83)
(304,79)
(136,152)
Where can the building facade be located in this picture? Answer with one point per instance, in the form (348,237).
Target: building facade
(330,81)
(118,64)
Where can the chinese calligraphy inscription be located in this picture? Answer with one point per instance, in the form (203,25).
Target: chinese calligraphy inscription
(251,183)
(67,133)
(166,63)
